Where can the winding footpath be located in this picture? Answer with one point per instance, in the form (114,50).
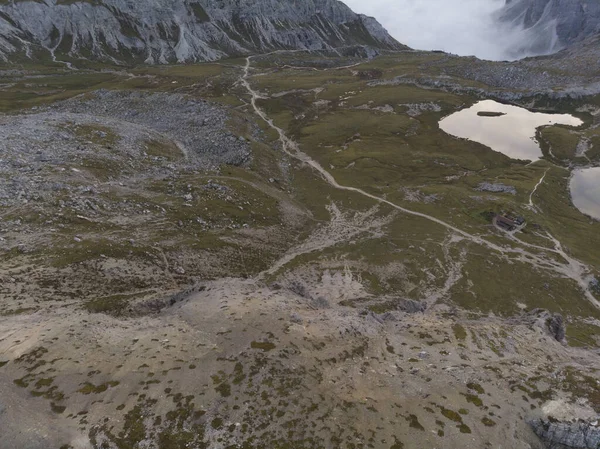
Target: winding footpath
(540,182)
(573,269)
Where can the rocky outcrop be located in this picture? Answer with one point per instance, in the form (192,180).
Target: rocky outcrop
(549,25)
(165,31)
(556,326)
(550,323)
(496,188)
(561,435)
(411,306)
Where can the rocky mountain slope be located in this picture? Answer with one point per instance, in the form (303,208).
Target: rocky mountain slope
(286,250)
(553,24)
(163,31)
(289,252)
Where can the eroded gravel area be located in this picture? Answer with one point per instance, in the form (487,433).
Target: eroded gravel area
(115,135)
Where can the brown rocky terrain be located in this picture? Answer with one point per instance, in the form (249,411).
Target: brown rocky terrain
(286,251)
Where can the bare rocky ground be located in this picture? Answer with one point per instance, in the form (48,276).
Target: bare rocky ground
(95,181)
(176,273)
(237,362)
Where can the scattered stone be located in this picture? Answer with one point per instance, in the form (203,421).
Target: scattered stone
(298,288)
(320,303)
(552,324)
(496,188)
(411,306)
(416,109)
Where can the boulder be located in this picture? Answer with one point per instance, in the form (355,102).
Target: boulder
(563,435)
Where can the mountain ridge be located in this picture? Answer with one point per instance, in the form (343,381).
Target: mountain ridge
(553,24)
(160,31)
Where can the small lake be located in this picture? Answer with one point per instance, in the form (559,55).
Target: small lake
(504,128)
(585,191)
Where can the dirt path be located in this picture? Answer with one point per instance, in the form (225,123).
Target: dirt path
(573,269)
(540,182)
(342,227)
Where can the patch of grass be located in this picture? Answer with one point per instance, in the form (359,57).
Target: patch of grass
(112,305)
(464,428)
(134,429)
(44,382)
(177,439)
(102,168)
(95,133)
(459,332)
(64,254)
(57,408)
(397,444)
(217,423)
(473,399)
(264,346)
(414,423)
(560,140)
(164,149)
(19,311)
(49,86)
(224,389)
(488,422)
(580,385)
(451,415)
(22,382)
(583,335)
(89,388)
(238,375)
(475,386)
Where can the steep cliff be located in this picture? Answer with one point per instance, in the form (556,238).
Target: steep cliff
(163,31)
(559,435)
(553,24)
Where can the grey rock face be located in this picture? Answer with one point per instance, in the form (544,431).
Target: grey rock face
(45,141)
(553,24)
(163,31)
(552,324)
(410,306)
(556,326)
(559,435)
(496,188)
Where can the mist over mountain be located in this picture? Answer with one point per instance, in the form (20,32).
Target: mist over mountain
(549,25)
(488,29)
(164,31)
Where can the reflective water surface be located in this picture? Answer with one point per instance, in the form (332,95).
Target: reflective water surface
(512,133)
(585,191)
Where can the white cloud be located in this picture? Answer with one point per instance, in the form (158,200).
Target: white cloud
(464,27)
